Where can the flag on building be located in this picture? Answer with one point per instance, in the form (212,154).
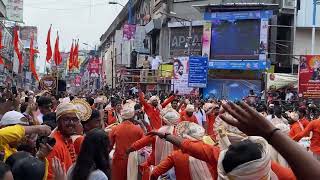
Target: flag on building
(71,57)
(76,62)
(31,59)
(16,45)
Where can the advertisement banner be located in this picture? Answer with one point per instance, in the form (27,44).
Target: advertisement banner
(166,70)
(77,81)
(129,31)
(94,67)
(198,71)
(181,74)
(309,77)
(15,10)
(280,80)
(25,33)
(206,39)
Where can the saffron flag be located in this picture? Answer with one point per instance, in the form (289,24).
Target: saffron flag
(49,50)
(16,45)
(57,56)
(1,60)
(31,60)
(76,56)
(71,57)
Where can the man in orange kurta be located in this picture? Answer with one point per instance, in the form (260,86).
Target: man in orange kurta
(180,162)
(152,109)
(314,127)
(123,136)
(300,123)
(189,116)
(212,111)
(170,117)
(64,149)
(113,114)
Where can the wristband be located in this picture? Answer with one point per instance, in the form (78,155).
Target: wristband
(270,135)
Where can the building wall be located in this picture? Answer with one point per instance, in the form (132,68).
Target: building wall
(305,14)
(303,41)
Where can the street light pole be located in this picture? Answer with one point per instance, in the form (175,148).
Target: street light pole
(315,2)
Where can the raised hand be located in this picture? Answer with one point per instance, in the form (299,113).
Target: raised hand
(247,119)
(155,133)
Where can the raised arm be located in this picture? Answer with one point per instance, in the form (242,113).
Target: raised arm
(164,166)
(168,101)
(305,132)
(145,141)
(251,122)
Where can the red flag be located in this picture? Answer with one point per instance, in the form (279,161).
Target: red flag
(76,56)
(57,56)
(31,60)
(1,61)
(49,50)
(16,45)
(71,57)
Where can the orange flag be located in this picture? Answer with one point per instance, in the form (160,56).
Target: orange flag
(16,45)
(49,50)
(1,60)
(71,57)
(31,60)
(57,56)
(76,56)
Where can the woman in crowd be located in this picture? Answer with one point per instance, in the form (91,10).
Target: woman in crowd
(93,160)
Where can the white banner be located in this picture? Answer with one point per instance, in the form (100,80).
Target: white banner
(15,10)
(181,74)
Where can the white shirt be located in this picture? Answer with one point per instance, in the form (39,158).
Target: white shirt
(40,118)
(289,96)
(155,63)
(201,116)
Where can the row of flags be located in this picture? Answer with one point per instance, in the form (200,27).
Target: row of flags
(74,52)
(73,58)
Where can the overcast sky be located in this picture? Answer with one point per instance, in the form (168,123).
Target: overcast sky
(83,19)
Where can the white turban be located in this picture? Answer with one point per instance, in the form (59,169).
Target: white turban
(66,108)
(190,130)
(154,98)
(170,116)
(127,111)
(190,108)
(256,169)
(12,118)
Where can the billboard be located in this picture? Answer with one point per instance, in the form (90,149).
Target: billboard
(238,36)
(181,75)
(94,67)
(309,77)
(129,31)
(15,10)
(25,34)
(230,89)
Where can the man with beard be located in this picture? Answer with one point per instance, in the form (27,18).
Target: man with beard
(64,149)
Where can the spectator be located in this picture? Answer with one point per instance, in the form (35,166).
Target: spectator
(44,105)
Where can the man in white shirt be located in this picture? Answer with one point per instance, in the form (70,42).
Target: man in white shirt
(155,63)
(289,95)
(44,104)
(200,114)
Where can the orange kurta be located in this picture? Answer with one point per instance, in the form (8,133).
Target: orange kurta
(180,162)
(143,142)
(111,119)
(189,119)
(314,127)
(210,123)
(296,129)
(123,136)
(152,112)
(64,150)
(210,154)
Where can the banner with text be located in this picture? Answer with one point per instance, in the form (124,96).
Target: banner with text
(94,67)
(198,71)
(181,74)
(309,77)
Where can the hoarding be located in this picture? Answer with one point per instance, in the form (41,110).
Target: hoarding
(309,77)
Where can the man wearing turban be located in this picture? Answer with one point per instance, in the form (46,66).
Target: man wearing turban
(122,136)
(189,116)
(68,118)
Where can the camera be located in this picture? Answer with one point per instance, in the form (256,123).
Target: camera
(45,140)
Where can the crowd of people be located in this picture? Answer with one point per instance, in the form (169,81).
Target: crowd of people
(136,136)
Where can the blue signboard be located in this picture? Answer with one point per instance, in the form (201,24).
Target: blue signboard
(240,65)
(198,71)
(236,15)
